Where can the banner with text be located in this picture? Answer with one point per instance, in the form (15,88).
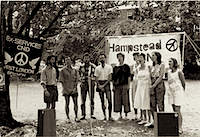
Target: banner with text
(22,55)
(167,44)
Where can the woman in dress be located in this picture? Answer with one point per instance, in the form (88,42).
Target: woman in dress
(157,88)
(176,81)
(142,96)
(134,85)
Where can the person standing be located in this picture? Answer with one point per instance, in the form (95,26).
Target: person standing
(157,88)
(142,96)
(176,81)
(87,84)
(49,82)
(134,85)
(103,74)
(121,84)
(69,78)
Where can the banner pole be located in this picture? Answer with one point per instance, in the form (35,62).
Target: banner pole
(17,92)
(183,51)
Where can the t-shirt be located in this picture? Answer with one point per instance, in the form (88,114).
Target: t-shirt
(121,74)
(103,72)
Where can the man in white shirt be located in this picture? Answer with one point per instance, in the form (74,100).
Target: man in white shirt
(103,74)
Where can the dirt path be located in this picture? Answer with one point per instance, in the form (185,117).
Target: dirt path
(30,99)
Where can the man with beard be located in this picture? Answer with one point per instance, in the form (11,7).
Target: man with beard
(103,74)
(87,84)
(49,82)
(121,83)
(69,78)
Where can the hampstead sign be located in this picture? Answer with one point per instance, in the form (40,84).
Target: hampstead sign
(22,55)
(168,44)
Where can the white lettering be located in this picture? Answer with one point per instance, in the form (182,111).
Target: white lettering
(23,48)
(24,42)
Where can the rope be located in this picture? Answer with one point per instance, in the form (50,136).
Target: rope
(192,44)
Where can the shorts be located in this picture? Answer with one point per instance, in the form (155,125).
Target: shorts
(107,87)
(176,97)
(71,95)
(121,97)
(53,94)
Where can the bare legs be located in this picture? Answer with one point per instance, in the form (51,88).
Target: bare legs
(180,118)
(53,105)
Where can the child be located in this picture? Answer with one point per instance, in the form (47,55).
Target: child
(176,81)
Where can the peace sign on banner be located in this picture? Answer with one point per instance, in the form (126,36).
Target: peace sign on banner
(22,55)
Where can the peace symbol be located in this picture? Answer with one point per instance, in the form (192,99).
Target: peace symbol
(21,59)
(1,78)
(172,45)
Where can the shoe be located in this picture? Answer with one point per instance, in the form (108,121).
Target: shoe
(119,119)
(93,117)
(148,124)
(152,125)
(139,119)
(134,119)
(83,118)
(77,120)
(104,118)
(180,131)
(126,119)
(68,121)
(142,122)
(111,119)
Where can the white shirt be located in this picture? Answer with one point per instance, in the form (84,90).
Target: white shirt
(103,73)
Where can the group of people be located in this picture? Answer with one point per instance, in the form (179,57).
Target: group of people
(148,88)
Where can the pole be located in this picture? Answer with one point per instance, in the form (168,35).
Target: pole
(17,92)
(90,84)
(183,50)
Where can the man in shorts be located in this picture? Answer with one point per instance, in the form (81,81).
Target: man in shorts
(69,78)
(49,83)
(103,74)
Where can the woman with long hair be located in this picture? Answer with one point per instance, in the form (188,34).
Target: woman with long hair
(176,81)
(157,88)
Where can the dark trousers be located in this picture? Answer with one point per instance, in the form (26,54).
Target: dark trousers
(108,96)
(84,91)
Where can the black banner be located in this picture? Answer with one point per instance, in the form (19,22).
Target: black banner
(22,55)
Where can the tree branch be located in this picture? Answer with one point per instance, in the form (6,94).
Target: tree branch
(51,24)
(10,20)
(30,18)
(76,12)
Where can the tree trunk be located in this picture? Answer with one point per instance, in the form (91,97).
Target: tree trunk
(6,118)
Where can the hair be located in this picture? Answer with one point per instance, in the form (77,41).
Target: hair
(118,54)
(73,59)
(86,54)
(175,63)
(159,56)
(102,54)
(143,55)
(49,58)
(136,53)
